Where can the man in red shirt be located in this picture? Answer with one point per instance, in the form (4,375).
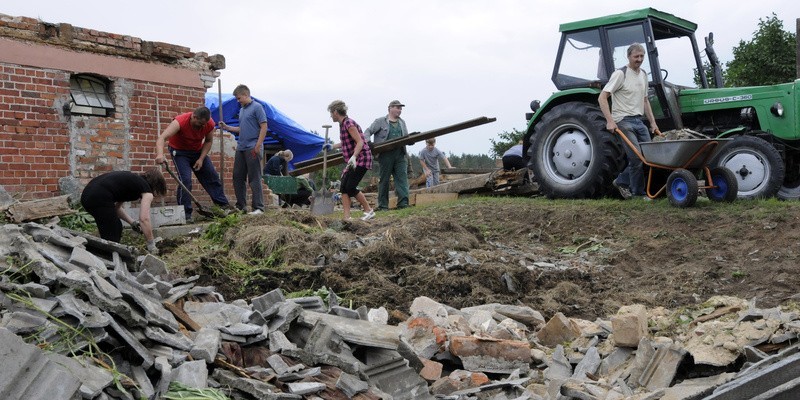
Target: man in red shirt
(190,136)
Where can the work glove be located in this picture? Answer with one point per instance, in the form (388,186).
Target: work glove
(327,146)
(136,227)
(152,248)
(351,163)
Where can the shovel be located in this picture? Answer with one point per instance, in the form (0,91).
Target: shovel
(200,208)
(322,201)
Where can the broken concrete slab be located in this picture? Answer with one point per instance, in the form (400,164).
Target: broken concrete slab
(389,371)
(28,374)
(268,303)
(144,357)
(147,300)
(629,325)
(310,303)
(698,388)
(206,344)
(662,368)
(192,374)
(89,315)
(351,385)
(326,346)
(177,340)
(214,315)
(93,378)
(253,387)
(424,336)
(494,356)
(88,261)
(559,329)
(305,388)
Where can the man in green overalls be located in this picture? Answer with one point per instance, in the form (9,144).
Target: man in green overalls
(392,163)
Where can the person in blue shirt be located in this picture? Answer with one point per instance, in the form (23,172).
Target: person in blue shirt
(278,163)
(247,163)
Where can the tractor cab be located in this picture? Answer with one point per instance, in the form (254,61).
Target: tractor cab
(591,50)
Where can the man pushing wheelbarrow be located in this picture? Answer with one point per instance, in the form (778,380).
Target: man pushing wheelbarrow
(627,88)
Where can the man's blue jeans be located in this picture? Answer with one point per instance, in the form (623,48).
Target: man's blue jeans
(633,175)
(206,175)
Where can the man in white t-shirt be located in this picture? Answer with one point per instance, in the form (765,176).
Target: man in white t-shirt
(627,88)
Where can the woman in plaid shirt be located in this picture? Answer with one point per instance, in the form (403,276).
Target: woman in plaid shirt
(359,159)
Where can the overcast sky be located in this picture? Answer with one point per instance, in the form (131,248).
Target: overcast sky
(448,61)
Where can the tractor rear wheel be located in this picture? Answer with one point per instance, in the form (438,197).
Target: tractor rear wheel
(572,155)
(757,165)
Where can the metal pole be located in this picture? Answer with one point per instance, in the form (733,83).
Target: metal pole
(221,137)
(158,132)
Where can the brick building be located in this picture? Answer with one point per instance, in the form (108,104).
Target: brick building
(76,102)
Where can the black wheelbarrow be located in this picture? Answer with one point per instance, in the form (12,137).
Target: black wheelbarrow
(688,160)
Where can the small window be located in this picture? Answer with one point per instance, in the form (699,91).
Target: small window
(89,96)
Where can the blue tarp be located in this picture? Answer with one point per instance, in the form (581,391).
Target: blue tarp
(281,130)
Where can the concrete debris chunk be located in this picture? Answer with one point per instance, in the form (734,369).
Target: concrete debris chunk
(351,385)
(491,351)
(92,377)
(253,387)
(88,261)
(268,303)
(304,388)
(206,345)
(28,374)
(558,329)
(192,374)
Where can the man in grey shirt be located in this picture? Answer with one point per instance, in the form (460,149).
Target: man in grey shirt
(393,163)
(247,163)
(429,158)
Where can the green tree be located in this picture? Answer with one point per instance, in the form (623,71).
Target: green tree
(709,75)
(505,140)
(768,59)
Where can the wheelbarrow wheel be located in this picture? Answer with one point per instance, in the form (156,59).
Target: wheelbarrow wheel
(725,185)
(682,188)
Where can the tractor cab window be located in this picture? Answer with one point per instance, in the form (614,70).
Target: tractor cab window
(581,60)
(623,37)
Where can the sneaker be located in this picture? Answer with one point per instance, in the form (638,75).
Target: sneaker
(255,212)
(368,216)
(623,191)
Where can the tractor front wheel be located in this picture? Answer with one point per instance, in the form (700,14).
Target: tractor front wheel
(757,165)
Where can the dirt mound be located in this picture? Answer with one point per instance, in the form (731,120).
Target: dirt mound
(582,258)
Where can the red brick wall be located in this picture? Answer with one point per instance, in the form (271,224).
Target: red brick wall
(40,144)
(34,144)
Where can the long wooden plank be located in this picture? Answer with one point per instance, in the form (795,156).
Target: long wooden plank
(315,164)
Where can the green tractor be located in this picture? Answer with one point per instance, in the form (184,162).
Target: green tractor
(572,155)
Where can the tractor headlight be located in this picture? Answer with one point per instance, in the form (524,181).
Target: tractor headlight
(777,109)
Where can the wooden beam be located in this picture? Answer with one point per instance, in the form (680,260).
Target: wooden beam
(315,164)
(41,208)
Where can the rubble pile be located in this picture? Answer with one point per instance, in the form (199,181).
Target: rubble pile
(84,318)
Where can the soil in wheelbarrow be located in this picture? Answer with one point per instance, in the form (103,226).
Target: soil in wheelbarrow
(584,258)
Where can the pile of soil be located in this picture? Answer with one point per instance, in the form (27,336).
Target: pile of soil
(583,258)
